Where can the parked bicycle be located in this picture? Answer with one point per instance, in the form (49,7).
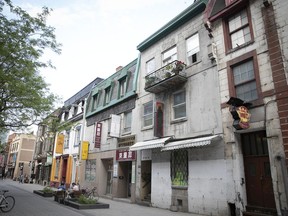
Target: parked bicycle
(91,193)
(6,202)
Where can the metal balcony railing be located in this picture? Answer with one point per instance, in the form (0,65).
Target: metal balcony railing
(167,77)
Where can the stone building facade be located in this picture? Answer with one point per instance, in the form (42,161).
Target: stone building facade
(250,39)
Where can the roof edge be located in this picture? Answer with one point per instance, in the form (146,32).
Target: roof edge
(179,20)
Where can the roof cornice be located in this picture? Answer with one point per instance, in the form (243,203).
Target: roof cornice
(190,12)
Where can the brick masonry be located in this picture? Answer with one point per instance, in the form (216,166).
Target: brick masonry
(278,72)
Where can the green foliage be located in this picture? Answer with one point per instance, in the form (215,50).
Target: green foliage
(84,200)
(47,189)
(25,97)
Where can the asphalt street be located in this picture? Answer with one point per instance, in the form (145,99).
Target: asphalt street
(30,204)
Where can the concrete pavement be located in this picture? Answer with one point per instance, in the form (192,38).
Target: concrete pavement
(117,207)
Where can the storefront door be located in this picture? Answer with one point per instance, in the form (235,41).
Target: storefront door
(257,170)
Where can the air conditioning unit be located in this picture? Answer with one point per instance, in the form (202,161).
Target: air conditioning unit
(212,51)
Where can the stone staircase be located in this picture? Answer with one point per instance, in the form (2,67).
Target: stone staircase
(259,211)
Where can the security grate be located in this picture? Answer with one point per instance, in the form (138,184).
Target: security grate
(179,168)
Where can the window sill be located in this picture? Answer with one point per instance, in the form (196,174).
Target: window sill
(125,133)
(175,121)
(231,50)
(147,128)
(180,187)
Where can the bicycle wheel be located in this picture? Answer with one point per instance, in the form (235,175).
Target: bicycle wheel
(7,204)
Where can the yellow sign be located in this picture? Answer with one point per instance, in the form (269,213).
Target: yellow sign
(59,144)
(85,146)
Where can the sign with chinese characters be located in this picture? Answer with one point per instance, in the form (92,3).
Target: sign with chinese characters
(125,155)
(98,134)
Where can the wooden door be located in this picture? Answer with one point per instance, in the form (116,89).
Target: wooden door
(259,186)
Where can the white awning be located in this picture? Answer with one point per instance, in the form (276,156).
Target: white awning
(188,143)
(157,143)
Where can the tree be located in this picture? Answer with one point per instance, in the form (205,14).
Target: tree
(25,97)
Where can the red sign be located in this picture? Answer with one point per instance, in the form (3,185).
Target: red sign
(98,135)
(158,129)
(125,155)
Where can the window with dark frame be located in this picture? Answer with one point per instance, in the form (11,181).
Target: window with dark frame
(238,30)
(244,80)
(179,167)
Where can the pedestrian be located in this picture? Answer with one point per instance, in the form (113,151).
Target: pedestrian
(21,178)
(62,187)
(3,173)
(74,187)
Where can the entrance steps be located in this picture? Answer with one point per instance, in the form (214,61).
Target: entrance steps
(259,211)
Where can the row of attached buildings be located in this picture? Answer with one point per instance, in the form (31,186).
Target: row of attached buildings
(198,122)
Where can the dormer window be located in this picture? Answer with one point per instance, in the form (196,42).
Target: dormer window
(122,87)
(107,95)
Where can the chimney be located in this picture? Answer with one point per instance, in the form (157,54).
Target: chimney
(119,68)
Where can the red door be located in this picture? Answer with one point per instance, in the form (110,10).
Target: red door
(257,170)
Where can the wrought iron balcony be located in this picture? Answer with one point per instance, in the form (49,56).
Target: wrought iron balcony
(170,76)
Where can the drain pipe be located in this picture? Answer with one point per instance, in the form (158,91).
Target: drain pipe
(279,158)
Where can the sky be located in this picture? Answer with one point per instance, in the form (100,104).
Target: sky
(97,36)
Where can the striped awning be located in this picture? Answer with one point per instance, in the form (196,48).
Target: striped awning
(189,143)
(157,143)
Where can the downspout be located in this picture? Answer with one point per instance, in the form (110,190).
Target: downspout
(279,158)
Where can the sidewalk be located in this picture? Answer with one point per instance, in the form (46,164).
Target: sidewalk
(116,207)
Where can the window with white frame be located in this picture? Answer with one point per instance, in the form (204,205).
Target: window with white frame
(192,45)
(127,122)
(77,135)
(150,66)
(169,55)
(179,105)
(148,114)
(66,139)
